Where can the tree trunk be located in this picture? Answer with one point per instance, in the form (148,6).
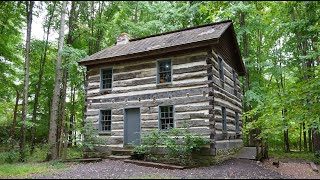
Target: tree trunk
(72,113)
(247,78)
(29,7)
(300,135)
(13,127)
(62,111)
(55,100)
(316,141)
(286,140)
(305,145)
(39,83)
(310,139)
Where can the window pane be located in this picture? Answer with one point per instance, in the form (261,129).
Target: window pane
(105,120)
(166,117)
(106,78)
(164,71)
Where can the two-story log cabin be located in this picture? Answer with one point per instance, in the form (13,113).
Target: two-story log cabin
(189,76)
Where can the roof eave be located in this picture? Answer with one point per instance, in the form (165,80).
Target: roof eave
(152,52)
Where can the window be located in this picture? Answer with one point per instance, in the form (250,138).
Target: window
(237,121)
(224,119)
(164,71)
(105,121)
(106,78)
(221,73)
(166,117)
(234,82)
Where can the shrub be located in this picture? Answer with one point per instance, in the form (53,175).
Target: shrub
(180,144)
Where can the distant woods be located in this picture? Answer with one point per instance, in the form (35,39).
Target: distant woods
(42,91)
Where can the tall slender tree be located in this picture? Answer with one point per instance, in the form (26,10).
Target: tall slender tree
(29,8)
(41,72)
(52,154)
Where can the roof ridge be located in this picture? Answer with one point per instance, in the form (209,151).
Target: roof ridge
(194,27)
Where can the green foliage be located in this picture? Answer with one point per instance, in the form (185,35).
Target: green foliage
(179,143)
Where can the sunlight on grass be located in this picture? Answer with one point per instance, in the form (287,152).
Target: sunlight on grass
(28,169)
(21,170)
(294,155)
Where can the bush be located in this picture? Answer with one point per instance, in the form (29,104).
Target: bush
(180,144)
(316,159)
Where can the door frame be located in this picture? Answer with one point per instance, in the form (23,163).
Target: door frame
(125,123)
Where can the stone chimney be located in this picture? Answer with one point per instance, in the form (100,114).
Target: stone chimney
(123,39)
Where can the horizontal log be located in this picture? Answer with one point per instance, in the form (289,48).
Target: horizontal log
(189,76)
(157,95)
(190,69)
(147,117)
(189,59)
(192,108)
(111,140)
(150,103)
(151,80)
(135,67)
(130,75)
(192,123)
(149,124)
(159,86)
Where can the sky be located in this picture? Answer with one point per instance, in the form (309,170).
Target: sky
(36,27)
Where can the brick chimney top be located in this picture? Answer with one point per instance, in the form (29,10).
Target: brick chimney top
(123,39)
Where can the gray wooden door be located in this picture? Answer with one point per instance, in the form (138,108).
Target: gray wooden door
(132,127)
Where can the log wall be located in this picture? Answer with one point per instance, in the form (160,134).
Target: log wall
(134,85)
(196,92)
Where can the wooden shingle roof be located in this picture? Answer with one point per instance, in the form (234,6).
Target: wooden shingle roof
(153,44)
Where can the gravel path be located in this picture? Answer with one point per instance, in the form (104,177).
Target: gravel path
(107,169)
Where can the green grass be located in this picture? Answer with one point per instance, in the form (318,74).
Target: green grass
(25,170)
(21,170)
(294,155)
(39,155)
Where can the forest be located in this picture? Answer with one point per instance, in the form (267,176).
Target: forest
(42,88)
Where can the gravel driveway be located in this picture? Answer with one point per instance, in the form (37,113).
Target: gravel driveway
(110,169)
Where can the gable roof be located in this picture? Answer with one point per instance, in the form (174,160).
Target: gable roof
(184,39)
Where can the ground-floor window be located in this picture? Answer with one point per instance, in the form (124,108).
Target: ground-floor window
(105,121)
(166,117)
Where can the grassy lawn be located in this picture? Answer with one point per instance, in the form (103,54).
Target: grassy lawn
(293,155)
(34,164)
(25,170)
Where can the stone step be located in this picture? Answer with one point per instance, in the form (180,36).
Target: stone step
(247,153)
(114,157)
(124,152)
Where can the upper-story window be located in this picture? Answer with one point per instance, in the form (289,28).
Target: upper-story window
(164,71)
(234,82)
(106,78)
(166,117)
(221,72)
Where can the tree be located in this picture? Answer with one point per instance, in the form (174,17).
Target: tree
(52,155)
(29,7)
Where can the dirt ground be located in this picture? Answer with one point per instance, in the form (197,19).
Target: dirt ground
(296,169)
(230,169)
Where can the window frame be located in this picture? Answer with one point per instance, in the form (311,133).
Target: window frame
(234,77)
(221,68)
(237,122)
(100,122)
(101,80)
(158,70)
(224,119)
(159,117)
